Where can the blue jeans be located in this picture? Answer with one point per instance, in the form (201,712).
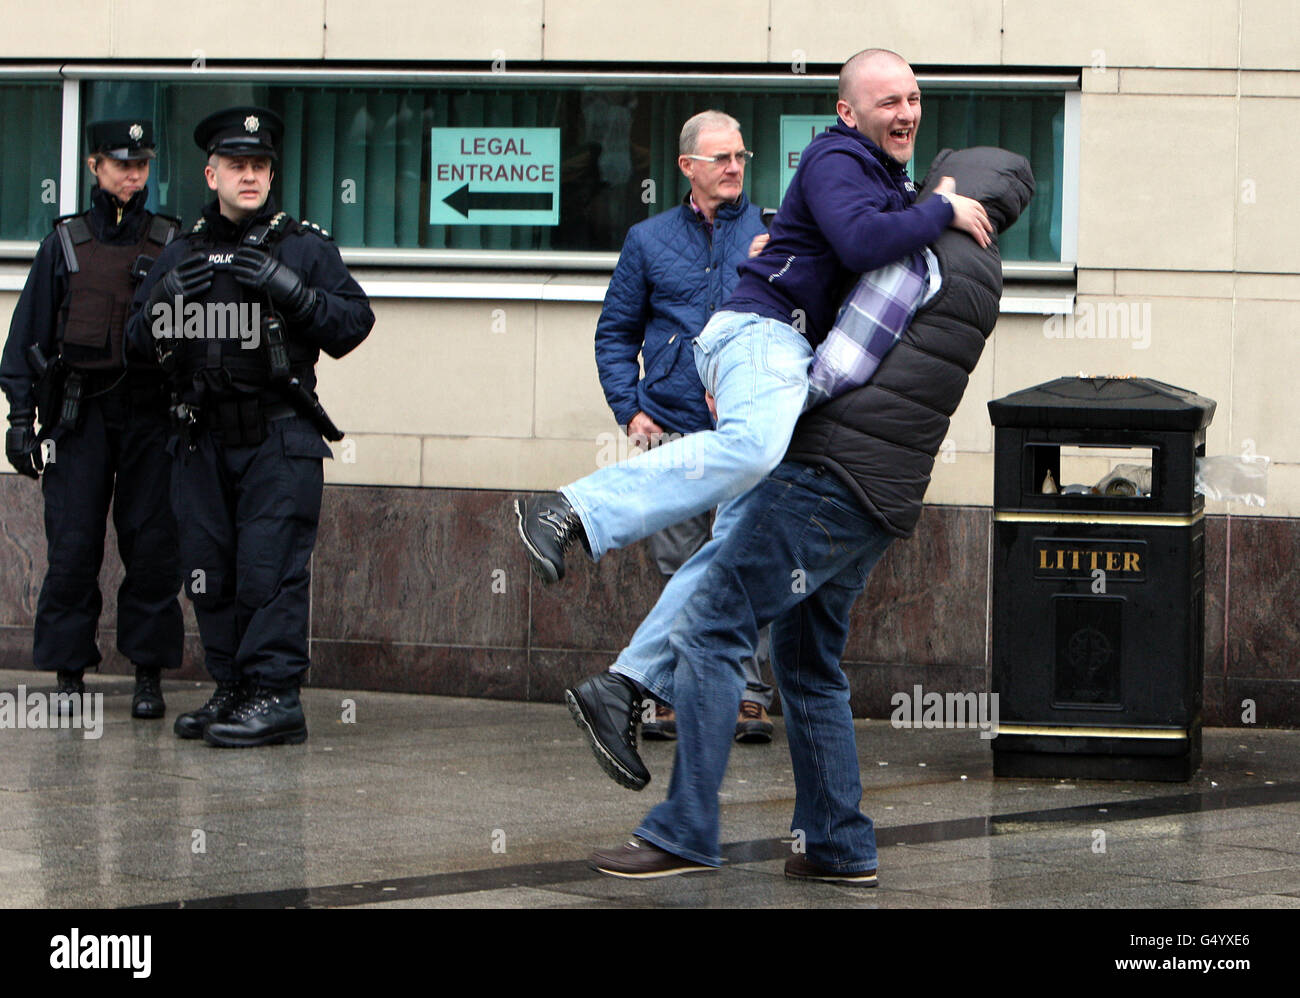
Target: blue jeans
(757,371)
(671,548)
(648,657)
(799,555)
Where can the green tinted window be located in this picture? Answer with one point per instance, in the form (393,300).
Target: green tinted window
(578,164)
(29,165)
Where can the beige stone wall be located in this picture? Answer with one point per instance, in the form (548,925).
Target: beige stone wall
(1194,35)
(1188,217)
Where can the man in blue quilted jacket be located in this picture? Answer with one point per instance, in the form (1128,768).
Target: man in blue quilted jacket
(675,269)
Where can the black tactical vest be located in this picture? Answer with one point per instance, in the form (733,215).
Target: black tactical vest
(101,281)
(219,361)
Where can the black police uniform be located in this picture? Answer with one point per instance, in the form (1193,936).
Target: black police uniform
(247,475)
(108,429)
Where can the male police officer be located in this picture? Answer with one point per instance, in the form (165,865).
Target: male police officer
(239,310)
(102,428)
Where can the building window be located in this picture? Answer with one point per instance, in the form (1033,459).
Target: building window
(29,159)
(557,167)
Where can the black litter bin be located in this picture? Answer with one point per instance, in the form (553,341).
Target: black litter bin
(1098,579)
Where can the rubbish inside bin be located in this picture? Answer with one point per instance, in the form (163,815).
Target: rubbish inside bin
(1126,480)
(1099,470)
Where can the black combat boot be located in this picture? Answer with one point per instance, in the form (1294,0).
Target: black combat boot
(548,526)
(70,685)
(267,716)
(223,700)
(148,703)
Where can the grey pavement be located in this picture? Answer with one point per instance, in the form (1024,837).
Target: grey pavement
(418,801)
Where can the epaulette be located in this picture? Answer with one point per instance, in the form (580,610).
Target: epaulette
(312,226)
(200,226)
(268,233)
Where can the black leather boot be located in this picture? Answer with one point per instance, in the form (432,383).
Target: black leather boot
(266,717)
(606,708)
(223,700)
(148,703)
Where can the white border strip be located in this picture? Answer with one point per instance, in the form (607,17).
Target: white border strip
(556,289)
(1070,146)
(796,81)
(70,143)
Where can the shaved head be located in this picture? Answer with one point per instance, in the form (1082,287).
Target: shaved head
(854,67)
(880,98)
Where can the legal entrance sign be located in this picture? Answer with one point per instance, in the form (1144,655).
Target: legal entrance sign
(797,130)
(494,176)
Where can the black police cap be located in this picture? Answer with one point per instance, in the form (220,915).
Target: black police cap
(240,131)
(130,139)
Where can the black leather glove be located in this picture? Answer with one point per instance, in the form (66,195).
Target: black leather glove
(255,268)
(189,279)
(20,444)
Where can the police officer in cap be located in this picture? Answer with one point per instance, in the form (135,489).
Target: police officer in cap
(102,426)
(238,310)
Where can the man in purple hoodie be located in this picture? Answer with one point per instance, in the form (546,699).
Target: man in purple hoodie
(849,209)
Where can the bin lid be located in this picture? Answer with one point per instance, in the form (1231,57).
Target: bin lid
(1104,403)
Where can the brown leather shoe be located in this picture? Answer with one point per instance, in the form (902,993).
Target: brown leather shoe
(638,859)
(663,728)
(753,726)
(799,867)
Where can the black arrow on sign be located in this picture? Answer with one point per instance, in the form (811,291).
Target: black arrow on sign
(464,201)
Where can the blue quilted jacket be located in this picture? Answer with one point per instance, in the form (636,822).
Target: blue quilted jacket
(670,278)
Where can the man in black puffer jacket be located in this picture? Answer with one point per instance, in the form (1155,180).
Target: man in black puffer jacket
(805,542)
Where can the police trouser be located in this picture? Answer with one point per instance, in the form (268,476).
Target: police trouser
(248,517)
(116,454)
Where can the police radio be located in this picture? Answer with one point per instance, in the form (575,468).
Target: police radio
(140,268)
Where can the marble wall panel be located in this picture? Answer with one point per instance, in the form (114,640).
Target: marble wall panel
(440,670)
(1263,587)
(425,566)
(596,606)
(926,600)
(873,685)
(404,598)
(1277,705)
(22,550)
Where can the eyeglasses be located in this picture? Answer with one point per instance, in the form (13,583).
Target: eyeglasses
(723,158)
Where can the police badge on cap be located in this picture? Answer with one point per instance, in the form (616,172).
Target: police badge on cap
(124,140)
(241,131)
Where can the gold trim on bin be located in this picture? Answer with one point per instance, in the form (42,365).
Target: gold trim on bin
(1131,519)
(1077,731)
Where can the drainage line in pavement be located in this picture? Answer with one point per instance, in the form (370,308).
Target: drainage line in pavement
(753,851)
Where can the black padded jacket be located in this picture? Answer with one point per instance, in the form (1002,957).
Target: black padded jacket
(881,439)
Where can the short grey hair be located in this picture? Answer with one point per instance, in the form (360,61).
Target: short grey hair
(703,122)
